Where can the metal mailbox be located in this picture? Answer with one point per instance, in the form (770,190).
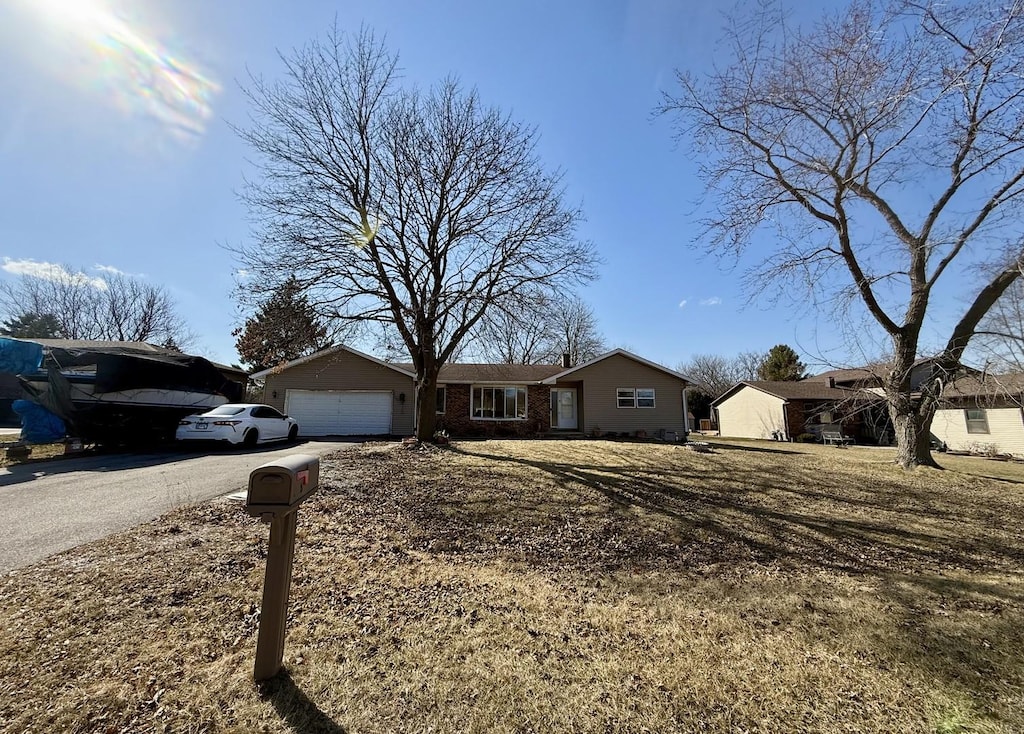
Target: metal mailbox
(278,487)
(276,490)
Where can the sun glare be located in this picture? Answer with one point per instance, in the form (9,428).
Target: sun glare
(137,72)
(83,15)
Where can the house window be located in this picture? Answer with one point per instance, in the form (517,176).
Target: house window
(634,397)
(507,402)
(977,422)
(441,395)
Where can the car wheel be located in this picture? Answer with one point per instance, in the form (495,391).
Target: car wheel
(293,434)
(251,437)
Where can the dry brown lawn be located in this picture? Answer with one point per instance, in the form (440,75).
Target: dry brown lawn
(551,586)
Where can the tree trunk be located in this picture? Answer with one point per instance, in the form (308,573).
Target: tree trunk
(912,424)
(426,407)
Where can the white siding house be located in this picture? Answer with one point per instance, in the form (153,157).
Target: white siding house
(981,430)
(982,414)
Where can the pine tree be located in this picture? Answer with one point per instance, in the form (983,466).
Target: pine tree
(284,328)
(31,326)
(782,363)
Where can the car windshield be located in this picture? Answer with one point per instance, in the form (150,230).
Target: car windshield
(226,410)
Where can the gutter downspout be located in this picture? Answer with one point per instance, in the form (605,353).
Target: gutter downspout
(686,417)
(785,420)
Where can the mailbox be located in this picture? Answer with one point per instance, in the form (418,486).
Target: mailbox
(280,486)
(276,490)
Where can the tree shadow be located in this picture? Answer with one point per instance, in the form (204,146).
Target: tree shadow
(121,459)
(792,516)
(749,447)
(296,708)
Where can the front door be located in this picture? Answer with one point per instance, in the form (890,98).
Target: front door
(564,400)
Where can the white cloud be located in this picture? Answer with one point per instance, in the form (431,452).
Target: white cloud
(242,273)
(116,271)
(682,303)
(713,301)
(51,271)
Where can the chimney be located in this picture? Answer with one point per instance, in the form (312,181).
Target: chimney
(566,362)
(831,382)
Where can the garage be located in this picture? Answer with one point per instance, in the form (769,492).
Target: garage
(340,412)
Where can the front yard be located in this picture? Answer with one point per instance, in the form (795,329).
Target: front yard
(551,586)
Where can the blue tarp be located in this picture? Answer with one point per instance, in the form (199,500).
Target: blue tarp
(38,425)
(18,357)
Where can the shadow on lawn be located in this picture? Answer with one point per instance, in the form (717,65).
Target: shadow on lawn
(295,707)
(791,515)
(750,447)
(930,573)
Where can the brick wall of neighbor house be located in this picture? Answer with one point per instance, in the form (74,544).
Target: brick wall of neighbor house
(343,370)
(1005,431)
(796,417)
(458,421)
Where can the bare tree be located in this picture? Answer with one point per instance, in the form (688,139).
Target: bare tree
(116,307)
(574,331)
(999,338)
(822,133)
(518,330)
(536,328)
(715,374)
(415,209)
(747,365)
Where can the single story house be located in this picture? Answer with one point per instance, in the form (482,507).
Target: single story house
(982,414)
(786,409)
(341,391)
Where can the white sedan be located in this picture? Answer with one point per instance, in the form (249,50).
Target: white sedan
(238,423)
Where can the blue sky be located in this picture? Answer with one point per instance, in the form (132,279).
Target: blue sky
(120,155)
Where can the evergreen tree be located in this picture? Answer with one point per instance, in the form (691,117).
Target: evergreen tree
(284,328)
(782,363)
(31,326)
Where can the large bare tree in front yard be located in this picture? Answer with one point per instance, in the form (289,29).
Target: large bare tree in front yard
(417,209)
(885,147)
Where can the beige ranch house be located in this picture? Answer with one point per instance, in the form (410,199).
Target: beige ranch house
(343,392)
(784,410)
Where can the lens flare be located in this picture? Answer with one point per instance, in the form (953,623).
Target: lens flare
(142,76)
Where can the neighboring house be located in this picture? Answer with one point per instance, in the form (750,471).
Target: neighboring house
(982,414)
(340,391)
(787,409)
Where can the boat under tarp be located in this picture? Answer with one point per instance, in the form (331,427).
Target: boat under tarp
(115,392)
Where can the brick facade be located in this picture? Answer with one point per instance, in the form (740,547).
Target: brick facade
(458,421)
(801,416)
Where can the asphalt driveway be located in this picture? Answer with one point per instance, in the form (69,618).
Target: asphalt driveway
(51,506)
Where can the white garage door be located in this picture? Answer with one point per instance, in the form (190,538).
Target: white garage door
(341,413)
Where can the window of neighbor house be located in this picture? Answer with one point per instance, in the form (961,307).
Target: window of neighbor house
(977,422)
(634,397)
(506,402)
(441,395)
